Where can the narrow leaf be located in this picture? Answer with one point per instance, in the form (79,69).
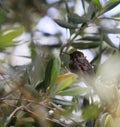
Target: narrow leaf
(45,83)
(91,11)
(55,71)
(66,82)
(65,24)
(3,16)
(86,45)
(108,121)
(67,7)
(83,4)
(110,30)
(62,102)
(65,58)
(97,3)
(118,111)
(90,38)
(7,39)
(60,78)
(110,7)
(75,91)
(76,18)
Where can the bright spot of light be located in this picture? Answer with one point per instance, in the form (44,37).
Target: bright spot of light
(20,54)
(47,25)
(51,1)
(115,38)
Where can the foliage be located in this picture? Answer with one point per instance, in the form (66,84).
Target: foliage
(45,93)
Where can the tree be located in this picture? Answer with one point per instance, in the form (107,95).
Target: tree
(59,87)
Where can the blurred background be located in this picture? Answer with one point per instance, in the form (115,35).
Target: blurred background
(37,86)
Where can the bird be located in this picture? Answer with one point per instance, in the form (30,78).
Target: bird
(78,63)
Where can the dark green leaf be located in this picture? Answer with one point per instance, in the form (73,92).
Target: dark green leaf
(32,50)
(110,7)
(11,122)
(67,7)
(65,24)
(55,71)
(83,4)
(74,91)
(44,85)
(85,45)
(90,38)
(91,11)
(110,30)
(3,121)
(65,58)
(115,18)
(3,16)
(72,50)
(51,72)
(76,18)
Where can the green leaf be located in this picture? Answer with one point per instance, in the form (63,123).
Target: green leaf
(51,73)
(112,4)
(45,83)
(97,3)
(90,38)
(108,121)
(62,102)
(11,122)
(3,121)
(91,11)
(6,39)
(110,30)
(90,112)
(74,91)
(72,50)
(66,82)
(65,24)
(67,7)
(3,16)
(55,71)
(76,18)
(115,18)
(118,111)
(86,45)
(65,58)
